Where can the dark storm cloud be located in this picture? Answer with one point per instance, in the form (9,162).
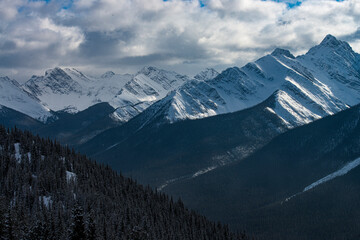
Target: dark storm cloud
(353,36)
(30,58)
(102,44)
(8,46)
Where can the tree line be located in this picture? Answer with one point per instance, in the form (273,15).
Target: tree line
(48,191)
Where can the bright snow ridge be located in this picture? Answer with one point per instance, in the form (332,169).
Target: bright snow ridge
(14,97)
(322,82)
(347,168)
(341,172)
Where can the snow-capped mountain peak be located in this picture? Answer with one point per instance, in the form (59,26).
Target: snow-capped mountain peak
(108,74)
(147,86)
(14,97)
(76,73)
(305,88)
(56,81)
(207,74)
(282,52)
(57,74)
(321,82)
(148,69)
(334,62)
(329,45)
(331,41)
(70,90)
(167,79)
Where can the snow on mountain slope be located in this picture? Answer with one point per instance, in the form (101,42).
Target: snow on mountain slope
(308,87)
(149,85)
(70,90)
(341,172)
(322,82)
(14,97)
(207,74)
(335,64)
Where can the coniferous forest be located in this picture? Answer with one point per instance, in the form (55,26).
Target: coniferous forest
(48,191)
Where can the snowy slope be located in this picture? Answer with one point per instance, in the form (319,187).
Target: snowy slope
(341,172)
(149,85)
(320,83)
(207,74)
(72,91)
(308,87)
(14,97)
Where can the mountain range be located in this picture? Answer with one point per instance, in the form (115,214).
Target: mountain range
(303,184)
(158,148)
(323,81)
(241,146)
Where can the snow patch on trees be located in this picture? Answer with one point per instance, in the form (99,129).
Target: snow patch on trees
(70,177)
(17,152)
(46,200)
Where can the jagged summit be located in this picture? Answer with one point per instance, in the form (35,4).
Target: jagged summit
(14,97)
(331,41)
(108,74)
(331,44)
(232,74)
(308,87)
(55,72)
(282,52)
(331,63)
(207,74)
(56,80)
(7,79)
(148,69)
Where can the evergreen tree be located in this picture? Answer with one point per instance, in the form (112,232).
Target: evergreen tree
(78,225)
(38,201)
(2,215)
(91,228)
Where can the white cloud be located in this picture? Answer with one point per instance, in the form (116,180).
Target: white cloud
(9,9)
(127,34)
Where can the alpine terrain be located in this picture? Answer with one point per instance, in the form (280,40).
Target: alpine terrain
(271,147)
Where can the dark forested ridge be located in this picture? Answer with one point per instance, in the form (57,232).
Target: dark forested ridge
(264,193)
(50,192)
(153,151)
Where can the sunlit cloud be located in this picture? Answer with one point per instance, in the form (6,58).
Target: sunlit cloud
(98,35)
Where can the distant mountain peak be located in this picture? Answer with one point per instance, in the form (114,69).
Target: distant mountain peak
(55,69)
(148,69)
(330,41)
(230,74)
(12,81)
(282,52)
(13,96)
(56,81)
(56,72)
(108,74)
(331,44)
(5,78)
(207,74)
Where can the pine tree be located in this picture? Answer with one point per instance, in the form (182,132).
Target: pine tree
(9,227)
(2,216)
(91,228)
(120,208)
(78,225)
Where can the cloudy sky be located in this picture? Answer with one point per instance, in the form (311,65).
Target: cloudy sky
(182,35)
